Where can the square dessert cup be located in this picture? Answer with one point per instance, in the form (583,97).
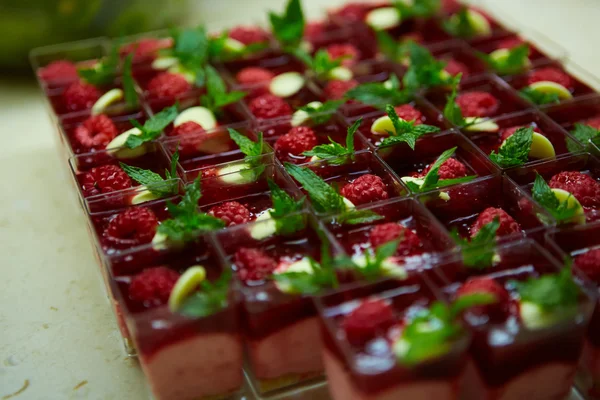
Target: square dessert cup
(364,162)
(280,326)
(508,101)
(562,142)
(321,35)
(460,58)
(583,162)
(372,371)
(570,243)
(513,354)
(406,162)
(165,338)
(459,207)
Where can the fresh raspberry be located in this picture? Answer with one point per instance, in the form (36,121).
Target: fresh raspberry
(59,71)
(350,53)
(454,68)
(484,285)
(336,89)
(269,106)
(249,34)
(190,136)
(104,179)
(253,75)
(365,189)
(232,212)
(253,264)
(508,132)
(143,49)
(352,11)
(132,227)
(167,85)
(96,132)
(366,321)
(295,142)
(209,173)
(507,224)
(593,122)
(409,113)
(314,29)
(589,264)
(477,104)
(510,43)
(450,169)
(384,233)
(585,188)
(550,74)
(451,6)
(80,96)
(153,286)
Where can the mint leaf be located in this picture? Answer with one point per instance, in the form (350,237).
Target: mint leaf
(288,28)
(459,25)
(516,61)
(542,193)
(356,217)
(464,302)
(393,50)
(153,181)
(172,173)
(129,84)
(103,72)
(539,97)
(424,70)
(418,8)
(321,64)
(432,178)
(551,292)
(452,111)
(216,96)
(152,128)
(373,268)
(284,209)
(322,277)
(514,151)
(324,198)
(334,149)
(320,115)
(210,299)
(191,48)
(479,251)
(378,94)
(585,134)
(405,131)
(246,145)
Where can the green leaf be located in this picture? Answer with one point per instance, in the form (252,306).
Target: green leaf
(516,61)
(334,149)
(356,217)
(418,8)
(550,292)
(210,299)
(464,302)
(129,84)
(584,134)
(452,111)
(514,151)
(538,97)
(288,28)
(323,197)
(542,193)
(424,70)
(432,179)
(152,128)
(392,49)
(172,173)
(378,94)
(191,47)
(322,277)
(479,251)
(284,207)
(320,115)
(216,96)
(246,145)
(103,72)
(405,131)
(459,25)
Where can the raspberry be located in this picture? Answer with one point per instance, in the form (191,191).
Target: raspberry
(507,224)
(80,96)
(314,29)
(483,285)
(589,264)
(585,188)
(153,286)
(451,6)
(456,67)
(508,132)
(336,89)
(269,106)
(96,132)
(104,179)
(143,49)
(409,113)
(383,233)
(253,264)
(232,212)
(352,11)
(167,85)
(365,189)
(249,34)
(253,75)
(350,53)
(132,227)
(58,71)
(366,321)
(295,142)
(477,104)
(593,122)
(190,136)
(550,74)
(209,173)
(510,43)
(450,169)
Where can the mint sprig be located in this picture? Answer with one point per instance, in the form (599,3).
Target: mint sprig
(153,181)
(424,71)
(210,299)
(542,193)
(129,83)
(373,267)
(585,134)
(516,61)
(321,64)
(288,28)
(459,24)
(152,128)
(321,114)
(378,94)
(217,96)
(284,209)
(247,146)
(334,149)
(394,50)
(432,178)
(191,48)
(514,151)
(452,111)
(550,292)
(538,97)
(357,217)
(479,251)
(324,198)
(405,131)
(418,8)
(103,72)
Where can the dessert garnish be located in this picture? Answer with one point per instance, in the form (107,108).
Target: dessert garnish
(562,205)
(399,130)
(373,264)
(153,186)
(334,150)
(383,18)
(378,94)
(104,71)
(129,83)
(424,71)
(586,134)
(418,8)
(288,28)
(367,188)
(454,113)
(508,61)
(478,252)
(515,150)
(209,299)
(323,66)
(507,226)
(252,167)
(467,23)
(217,96)
(315,112)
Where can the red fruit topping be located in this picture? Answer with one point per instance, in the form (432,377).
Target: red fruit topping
(593,122)
(232,212)
(366,321)
(507,224)
(132,227)
(352,11)
(550,74)
(383,233)
(508,132)
(143,49)
(153,286)
(167,85)
(253,264)
(269,106)
(589,264)
(450,169)
(80,96)
(477,104)
(510,43)
(451,6)
(96,132)
(209,173)
(249,34)
(58,71)
(350,53)
(365,189)
(585,188)
(190,136)
(295,142)
(485,285)
(336,90)
(456,67)
(253,75)
(104,179)
(313,29)
(409,113)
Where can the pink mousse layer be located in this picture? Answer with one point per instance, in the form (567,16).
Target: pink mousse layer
(589,378)
(198,367)
(295,349)
(552,381)
(341,386)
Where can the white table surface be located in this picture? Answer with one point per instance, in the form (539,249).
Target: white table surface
(57,330)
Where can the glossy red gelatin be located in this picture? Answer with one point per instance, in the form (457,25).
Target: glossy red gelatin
(460,58)
(536,56)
